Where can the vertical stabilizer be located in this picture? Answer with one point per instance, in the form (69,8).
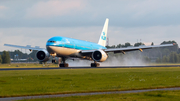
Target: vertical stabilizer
(103,37)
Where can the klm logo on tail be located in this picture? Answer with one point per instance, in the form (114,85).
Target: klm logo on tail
(103,37)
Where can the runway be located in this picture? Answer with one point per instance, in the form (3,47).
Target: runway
(46,68)
(84,94)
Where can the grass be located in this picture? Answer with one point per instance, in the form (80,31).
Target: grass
(36,82)
(146,96)
(26,65)
(156,64)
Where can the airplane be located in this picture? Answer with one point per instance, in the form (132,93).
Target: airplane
(65,48)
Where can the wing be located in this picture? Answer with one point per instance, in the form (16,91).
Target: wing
(123,50)
(25,47)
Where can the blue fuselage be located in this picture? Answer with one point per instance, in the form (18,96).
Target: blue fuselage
(69,43)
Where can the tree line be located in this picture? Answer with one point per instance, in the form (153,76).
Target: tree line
(173,57)
(160,55)
(5,57)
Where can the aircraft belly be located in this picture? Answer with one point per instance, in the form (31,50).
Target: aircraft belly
(62,51)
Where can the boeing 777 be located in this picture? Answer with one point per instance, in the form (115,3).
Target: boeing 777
(72,48)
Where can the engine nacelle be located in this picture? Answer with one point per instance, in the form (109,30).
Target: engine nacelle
(99,56)
(43,55)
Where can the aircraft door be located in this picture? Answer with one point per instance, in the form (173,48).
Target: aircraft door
(91,46)
(73,45)
(63,44)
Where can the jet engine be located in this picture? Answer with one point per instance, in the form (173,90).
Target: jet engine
(99,56)
(43,55)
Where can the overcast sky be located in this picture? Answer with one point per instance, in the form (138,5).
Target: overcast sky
(33,22)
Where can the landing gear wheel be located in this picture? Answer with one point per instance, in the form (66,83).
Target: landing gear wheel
(53,61)
(63,65)
(95,64)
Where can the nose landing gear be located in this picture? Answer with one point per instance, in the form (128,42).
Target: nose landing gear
(63,64)
(53,60)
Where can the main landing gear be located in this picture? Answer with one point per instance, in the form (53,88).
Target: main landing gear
(95,64)
(63,64)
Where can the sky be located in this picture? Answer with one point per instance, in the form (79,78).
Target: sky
(33,22)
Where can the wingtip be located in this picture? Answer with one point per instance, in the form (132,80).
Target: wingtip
(5,44)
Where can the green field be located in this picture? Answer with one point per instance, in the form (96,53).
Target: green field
(146,96)
(36,82)
(26,65)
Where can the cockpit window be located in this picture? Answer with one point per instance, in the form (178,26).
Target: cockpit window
(52,41)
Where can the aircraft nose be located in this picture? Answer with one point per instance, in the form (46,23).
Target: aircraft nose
(49,49)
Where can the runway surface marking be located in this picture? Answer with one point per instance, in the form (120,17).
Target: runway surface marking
(45,68)
(80,94)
